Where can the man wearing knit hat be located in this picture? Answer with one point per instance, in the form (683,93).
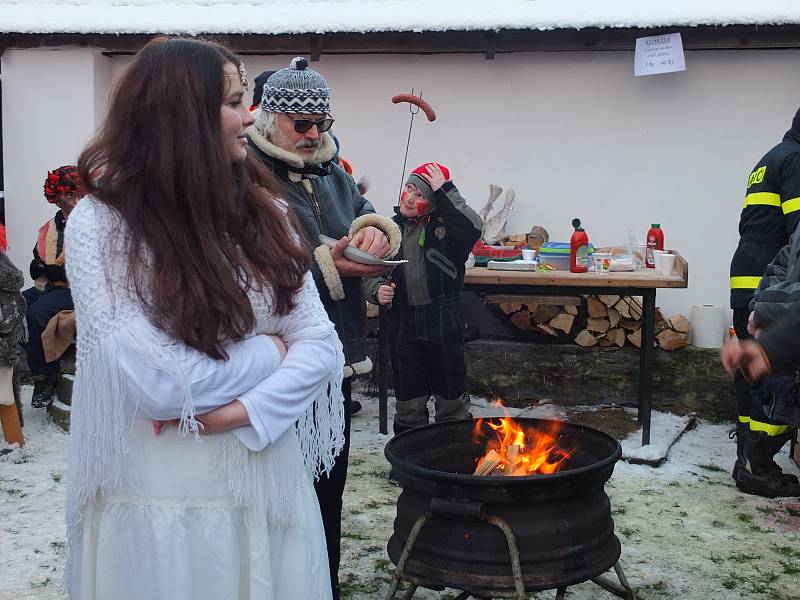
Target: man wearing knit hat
(425,322)
(291,137)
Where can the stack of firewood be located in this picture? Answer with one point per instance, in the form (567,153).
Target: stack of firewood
(611,321)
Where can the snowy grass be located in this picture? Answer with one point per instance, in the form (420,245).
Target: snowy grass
(686,532)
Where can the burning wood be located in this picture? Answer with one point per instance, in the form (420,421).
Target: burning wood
(512,451)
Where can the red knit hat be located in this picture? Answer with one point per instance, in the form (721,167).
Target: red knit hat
(416,178)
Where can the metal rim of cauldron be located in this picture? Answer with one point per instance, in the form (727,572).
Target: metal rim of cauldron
(483,481)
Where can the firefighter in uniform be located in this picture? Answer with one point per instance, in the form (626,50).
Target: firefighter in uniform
(770,215)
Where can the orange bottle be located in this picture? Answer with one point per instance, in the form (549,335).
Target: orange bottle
(578,249)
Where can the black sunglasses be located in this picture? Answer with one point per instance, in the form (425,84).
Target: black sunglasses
(303,125)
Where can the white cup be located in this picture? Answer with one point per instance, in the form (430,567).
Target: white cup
(657,254)
(667,264)
(528,254)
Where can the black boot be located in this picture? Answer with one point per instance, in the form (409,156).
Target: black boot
(42,394)
(739,434)
(776,442)
(756,475)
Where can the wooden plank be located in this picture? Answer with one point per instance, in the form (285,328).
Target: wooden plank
(526,299)
(644,278)
(488,43)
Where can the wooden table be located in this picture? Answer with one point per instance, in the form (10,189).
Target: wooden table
(642,283)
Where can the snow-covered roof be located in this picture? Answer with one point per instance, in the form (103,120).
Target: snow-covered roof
(364,16)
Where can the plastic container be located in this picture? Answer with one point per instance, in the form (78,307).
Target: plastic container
(655,241)
(556,254)
(578,249)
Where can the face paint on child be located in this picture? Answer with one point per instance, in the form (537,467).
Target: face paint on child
(412,202)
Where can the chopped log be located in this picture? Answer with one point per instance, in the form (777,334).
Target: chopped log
(629,324)
(608,300)
(563,322)
(571,309)
(597,325)
(679,323)
(544,313)
(596,308)
(613,317)
(509,307)
(532,308)
(512,458)
(585,339)
(672,340)
(616,336)
(635,307)
(635,338)
(521,319)
(661,322)
(488,463)
(624,308)
(604,342)
(548,330)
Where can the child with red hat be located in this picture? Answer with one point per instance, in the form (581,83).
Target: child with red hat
(425,323)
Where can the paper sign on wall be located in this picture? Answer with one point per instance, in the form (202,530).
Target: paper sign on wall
(659,54)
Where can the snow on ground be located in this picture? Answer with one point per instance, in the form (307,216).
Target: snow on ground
(686,532)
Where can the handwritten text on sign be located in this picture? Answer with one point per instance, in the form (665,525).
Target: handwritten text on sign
(659,54)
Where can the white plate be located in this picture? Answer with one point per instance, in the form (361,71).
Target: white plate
(359,256)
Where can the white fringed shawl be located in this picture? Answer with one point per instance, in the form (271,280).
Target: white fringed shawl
(101,420)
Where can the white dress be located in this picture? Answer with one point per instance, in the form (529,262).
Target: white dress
(231,516)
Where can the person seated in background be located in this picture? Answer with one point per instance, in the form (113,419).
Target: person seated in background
(50,293)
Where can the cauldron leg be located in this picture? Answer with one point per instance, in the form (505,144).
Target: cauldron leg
(401,564)
(561,593)
(622,591)
(511,539)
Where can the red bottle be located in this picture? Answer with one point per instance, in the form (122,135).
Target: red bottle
(655,241)
(578,249)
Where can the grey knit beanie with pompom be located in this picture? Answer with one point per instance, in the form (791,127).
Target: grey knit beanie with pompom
(296,89)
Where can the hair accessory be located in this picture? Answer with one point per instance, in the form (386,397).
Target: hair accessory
(243,75)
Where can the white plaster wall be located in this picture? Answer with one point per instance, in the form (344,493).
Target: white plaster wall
(575,134)
(52,102)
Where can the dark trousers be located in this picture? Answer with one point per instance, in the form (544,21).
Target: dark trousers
(42,306)
(751,399)
(426,348)
(329,495)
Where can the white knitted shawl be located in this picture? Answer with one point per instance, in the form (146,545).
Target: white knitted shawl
(101,418)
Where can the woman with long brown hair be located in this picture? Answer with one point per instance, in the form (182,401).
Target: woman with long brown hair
(207,394)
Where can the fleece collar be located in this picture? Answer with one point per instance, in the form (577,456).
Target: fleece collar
(294,162)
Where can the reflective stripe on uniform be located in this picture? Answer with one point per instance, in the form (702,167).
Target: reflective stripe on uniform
(745,283)
(791,205)
(772,430)
(743,419)
(768,198)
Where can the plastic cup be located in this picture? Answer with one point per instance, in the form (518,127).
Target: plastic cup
(667,264)
(602,263)
(528,254)
(657,254)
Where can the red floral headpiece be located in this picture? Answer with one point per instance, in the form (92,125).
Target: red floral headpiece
(61,180)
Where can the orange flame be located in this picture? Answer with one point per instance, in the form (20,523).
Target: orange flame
(513,451)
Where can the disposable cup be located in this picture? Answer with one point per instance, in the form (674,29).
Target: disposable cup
(657,254)
(602,263)
(528,254)
(667,264)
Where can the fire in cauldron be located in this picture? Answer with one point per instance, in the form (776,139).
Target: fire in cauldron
(545,525)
